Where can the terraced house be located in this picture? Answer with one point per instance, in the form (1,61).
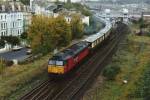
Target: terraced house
(49,8)
(14,18)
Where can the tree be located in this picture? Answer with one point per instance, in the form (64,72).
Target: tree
(77,26)
(79,7)
(2,43)
(57,2)
(141,22)
(13,40)
(68,1)
(93,27)
(26,2)
(24,35)
(46,34)
(37,29)
(86,12)
(62,30)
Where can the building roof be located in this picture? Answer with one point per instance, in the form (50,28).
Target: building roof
(43,3)
(13,6)
(146,13)
(51,7)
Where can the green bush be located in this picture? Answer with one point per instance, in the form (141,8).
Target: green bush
(24,35)
(148,34)
(13,40)
(83,9)
(94,26)
(111,71)
(26,2)
(2,43)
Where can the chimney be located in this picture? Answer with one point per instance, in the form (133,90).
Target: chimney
(13,7)
(31,4)
(24,8)
(3,7)
(19,7)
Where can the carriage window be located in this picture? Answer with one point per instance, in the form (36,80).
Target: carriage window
(60,63)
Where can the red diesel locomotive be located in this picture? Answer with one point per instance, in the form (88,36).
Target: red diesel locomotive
(67,59)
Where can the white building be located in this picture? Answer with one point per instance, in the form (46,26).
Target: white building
(146,16)
(50,9)
(14,17)
(41,7)
(69,14)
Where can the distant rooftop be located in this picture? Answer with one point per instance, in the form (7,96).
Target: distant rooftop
(13,6)
(146,13)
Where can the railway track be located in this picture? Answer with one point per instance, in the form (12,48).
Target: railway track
(76,85)
(37,90)
(72,90)
(51,90)
(44,90)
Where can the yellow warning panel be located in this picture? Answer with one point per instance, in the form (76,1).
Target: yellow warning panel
(56,69)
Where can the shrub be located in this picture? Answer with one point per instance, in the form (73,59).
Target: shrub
(24,35)
(8,63)
(94,26)
(111,71)
(148,34)
(2,43)
(13,40)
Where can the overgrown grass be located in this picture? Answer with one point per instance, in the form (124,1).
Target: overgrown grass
(15,76)
(2,65)
(132,60)
(132,57)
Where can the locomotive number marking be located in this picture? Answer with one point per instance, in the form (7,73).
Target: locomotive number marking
(76,59)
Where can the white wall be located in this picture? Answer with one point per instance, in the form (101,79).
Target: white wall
(86,20)
(11,23)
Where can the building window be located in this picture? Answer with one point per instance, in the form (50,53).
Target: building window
(13,24)
(6,25)
(2,25)
(18,32)
(2,33)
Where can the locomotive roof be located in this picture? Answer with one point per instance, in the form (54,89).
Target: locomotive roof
(94,37)
(71,51)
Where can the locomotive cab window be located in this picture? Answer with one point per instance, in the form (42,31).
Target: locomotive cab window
(59,63)
(51,62)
